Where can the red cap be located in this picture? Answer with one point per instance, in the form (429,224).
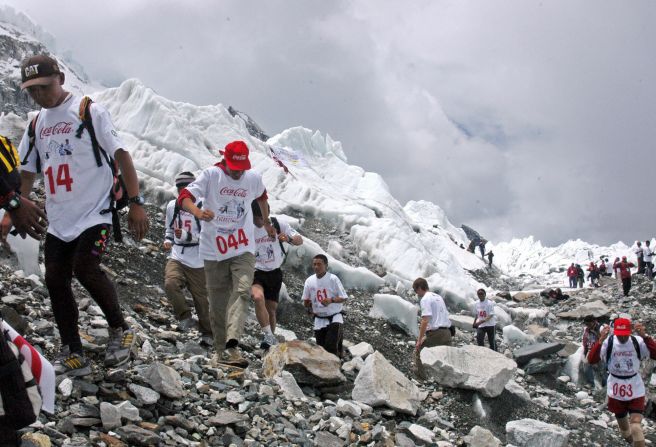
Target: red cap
(622,326)
(235,155)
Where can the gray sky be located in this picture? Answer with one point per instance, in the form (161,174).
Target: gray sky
(516,117)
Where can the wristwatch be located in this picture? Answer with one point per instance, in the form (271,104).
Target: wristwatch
(137,200)
(13,203)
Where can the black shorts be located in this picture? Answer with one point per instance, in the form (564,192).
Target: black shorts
(271,282)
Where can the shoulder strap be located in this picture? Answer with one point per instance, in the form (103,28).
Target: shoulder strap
(31,135)
(636,345)
(87,123)
(609,348)
(176,213)
(276,225)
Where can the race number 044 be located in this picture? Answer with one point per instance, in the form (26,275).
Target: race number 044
(223,244)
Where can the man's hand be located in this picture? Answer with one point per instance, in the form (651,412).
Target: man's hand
(138,221)
(178,232)
(271,231)
(640,329)
(167,245)
(28,219)
(603,334)
(205,215)
(419,343)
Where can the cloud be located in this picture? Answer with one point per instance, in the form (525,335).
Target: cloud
(517,117)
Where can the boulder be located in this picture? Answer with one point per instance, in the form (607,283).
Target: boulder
(523,355)
(537,331)
(380,383)
(470,367)
(595,308)
(224,417)
(135,435)
(520,297)
(462,322)
(288,386)
(534,433)
(110,416)
(164,380)
(308,363)
(362,349)
(481,437)
(518,390)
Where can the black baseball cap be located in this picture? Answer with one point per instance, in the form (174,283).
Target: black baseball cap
(37,70)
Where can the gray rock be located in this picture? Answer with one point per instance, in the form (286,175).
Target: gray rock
(309,364)
(288,386)
(135,435)
(145,395)
(516,389)
(327,439)
(523,355)
(165,380)
(402,440)
(345,407)
(481,437)
(110,416)
(380,383)
(128,411)
(463,322)
(421,434)
(534,433)
(470,367)
(223,417)
(595,308)
(362,350)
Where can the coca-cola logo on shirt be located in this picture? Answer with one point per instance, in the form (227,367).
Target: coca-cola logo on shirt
(58,129)
(227,191)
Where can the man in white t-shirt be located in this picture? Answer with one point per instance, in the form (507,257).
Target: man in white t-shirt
(323,296)
(647,255)
(77,204)
(623,353)
(435,326)
(267,280)
(184,268)
(227,242)
(485,320)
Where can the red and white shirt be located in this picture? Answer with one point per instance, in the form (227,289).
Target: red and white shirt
(268,254)
(484,309)
(317,290)
(186,222)
(231,232)
(77,189)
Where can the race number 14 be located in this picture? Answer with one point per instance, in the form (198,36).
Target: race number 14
(223,244)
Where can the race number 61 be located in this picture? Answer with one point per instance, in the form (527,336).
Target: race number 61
(223,244)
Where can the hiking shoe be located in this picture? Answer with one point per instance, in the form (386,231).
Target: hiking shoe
(231,357)
(71,363)
(119,347)
(267,341)
(187,324)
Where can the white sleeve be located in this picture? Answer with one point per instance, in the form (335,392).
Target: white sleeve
(425,309)
(306,291)
(105,132)
(198,188)
(339,288)
(287,229)
(168,230)
(30,165)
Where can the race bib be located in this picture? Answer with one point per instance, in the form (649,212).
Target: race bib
(625,389)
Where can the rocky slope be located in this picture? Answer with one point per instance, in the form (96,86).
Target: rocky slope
(169,395)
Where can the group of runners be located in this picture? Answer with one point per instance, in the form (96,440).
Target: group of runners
(224,247)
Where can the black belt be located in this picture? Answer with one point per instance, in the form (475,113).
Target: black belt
(624,377)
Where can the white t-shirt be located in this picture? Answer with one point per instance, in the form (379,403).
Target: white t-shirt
(77,189)
(624,362)
(484,309)
(319,289)
(268,254)
(638,252)
(189,255)
(231,232)
(647,253)
(432,305)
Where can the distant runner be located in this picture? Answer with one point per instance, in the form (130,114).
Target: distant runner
(185,266)
(625,388)
(485,320)
(324,295)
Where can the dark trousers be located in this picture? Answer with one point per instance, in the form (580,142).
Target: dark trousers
(79,257)
(330,338)
(572,282)
(8,436)
(480,336)
(626,285)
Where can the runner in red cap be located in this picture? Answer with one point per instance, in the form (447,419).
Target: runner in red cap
(625,388)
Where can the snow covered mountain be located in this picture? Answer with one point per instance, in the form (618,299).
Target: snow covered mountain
(306,173)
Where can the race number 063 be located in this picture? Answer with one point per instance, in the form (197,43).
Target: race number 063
(223,244)
(622,390)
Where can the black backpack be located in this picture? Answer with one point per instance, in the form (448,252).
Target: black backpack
(118,197)
(609,348)
(276,225)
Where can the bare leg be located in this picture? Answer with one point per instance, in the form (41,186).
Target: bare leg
(636,430)
(271,307)
(257,293)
